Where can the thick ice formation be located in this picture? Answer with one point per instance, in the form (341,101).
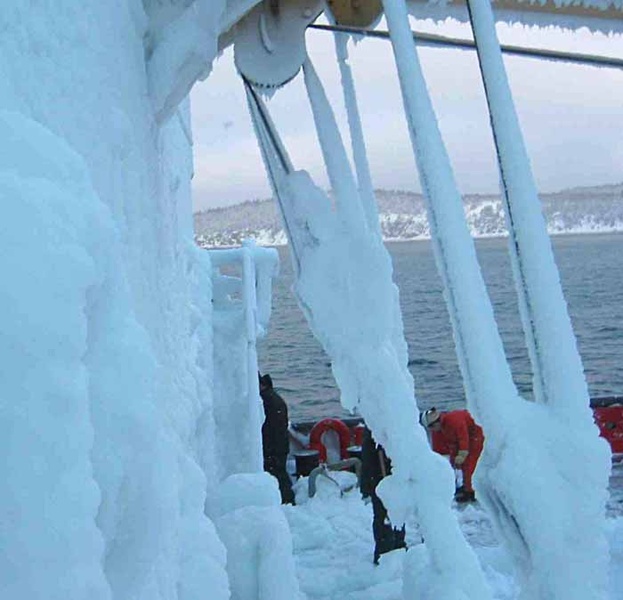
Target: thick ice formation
(241,304)
(527,445)
(181,52)
(106,318)
(249,519)
(44,381)
(113,483)
(344,286)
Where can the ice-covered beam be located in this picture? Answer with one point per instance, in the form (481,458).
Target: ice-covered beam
(596,15)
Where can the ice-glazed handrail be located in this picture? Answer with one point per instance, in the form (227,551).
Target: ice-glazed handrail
(338,466)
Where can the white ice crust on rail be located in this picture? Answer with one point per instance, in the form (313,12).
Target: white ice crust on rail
(241,284)
(600,16)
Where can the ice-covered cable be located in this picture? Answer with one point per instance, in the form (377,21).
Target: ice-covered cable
(333,151)
(558,374)
(349,299)
(275,158)
(559,380)
(528,446)
(345,290)
(486,374)
(362,170)
(360,159)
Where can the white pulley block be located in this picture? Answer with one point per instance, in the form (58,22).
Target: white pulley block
(269,42)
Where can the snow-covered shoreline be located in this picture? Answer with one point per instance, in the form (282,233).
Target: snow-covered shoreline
(579,211)
(264,238)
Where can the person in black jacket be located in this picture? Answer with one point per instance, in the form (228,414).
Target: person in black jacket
(375,465)
(275,441)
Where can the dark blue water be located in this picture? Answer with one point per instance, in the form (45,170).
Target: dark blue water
(591,269)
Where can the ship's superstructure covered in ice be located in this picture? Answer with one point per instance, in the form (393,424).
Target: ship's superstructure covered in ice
(127,353)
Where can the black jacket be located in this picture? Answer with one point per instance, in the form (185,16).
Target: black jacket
(275,428)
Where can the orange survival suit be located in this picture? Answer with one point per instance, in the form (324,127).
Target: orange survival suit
(464,440)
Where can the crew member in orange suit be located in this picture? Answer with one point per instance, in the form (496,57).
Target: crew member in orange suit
(464,441)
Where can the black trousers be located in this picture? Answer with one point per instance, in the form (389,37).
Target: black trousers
(276,466)
(386,536)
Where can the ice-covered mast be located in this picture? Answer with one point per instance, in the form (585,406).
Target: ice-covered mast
(528,445)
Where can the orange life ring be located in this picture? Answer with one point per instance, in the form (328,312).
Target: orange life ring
(323,426)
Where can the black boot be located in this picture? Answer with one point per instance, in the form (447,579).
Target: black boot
(462,496)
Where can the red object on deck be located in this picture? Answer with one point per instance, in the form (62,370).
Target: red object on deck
(609,419)
(358,434)
(323,426)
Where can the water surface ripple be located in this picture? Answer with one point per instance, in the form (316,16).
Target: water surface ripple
(591,270)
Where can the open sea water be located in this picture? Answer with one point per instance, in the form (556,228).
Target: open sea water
(591,270)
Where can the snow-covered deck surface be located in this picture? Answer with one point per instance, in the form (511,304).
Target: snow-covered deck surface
(333,546)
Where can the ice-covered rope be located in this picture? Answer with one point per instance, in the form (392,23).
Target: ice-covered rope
(559,380)
(275,158)
(362,170)
(335,159)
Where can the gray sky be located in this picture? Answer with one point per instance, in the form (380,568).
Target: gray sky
(572,116)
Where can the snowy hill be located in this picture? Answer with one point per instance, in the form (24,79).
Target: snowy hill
(403,216)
